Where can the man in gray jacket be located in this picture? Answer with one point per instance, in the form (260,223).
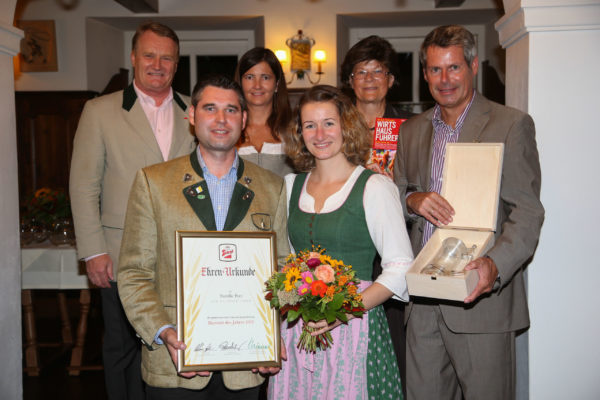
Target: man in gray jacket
(467,349)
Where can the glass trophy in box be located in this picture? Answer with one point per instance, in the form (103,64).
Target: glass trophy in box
(451,258)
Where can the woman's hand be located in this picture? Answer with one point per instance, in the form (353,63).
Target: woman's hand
(322,326)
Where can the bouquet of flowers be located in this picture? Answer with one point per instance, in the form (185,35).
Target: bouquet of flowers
(314,286)
(47,205)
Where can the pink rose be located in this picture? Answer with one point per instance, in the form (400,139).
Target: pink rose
(325,273)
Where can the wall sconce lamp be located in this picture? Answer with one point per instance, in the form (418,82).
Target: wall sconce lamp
(300,50)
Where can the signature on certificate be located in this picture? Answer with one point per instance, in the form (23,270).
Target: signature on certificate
(230,345)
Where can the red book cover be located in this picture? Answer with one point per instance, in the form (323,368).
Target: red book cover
(385,141)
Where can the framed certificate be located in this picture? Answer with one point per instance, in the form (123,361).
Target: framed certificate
(222,315)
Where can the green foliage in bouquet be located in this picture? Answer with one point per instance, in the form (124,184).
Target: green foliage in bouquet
(47,205)
(315,287)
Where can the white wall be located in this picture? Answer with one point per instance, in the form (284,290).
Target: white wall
(103,61)
(282,19)
(552,61)
(70,28)
(563,284)
(11,386)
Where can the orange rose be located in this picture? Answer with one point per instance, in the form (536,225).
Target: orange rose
(325,273)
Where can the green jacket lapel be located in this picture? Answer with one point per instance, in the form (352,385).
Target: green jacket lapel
(198,197)
(240,200)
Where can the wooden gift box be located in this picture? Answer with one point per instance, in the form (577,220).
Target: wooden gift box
(471,184)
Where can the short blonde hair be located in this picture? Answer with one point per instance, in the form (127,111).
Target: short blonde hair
(355,133)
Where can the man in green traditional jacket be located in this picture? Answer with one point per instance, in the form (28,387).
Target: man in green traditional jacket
(210,189)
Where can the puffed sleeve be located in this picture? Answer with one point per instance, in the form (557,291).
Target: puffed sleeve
(385,221)
(289,184)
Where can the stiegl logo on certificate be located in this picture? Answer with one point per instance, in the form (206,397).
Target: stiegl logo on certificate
(227,252)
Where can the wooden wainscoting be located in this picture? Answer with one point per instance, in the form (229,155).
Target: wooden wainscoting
(46,125)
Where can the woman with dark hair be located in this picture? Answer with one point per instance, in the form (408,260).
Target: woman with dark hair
(353,213)
(369,70)
(263,82)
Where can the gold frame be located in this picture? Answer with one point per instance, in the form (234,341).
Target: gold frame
(254,251)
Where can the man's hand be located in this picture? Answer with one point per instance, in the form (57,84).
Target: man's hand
(431,206)
(169,338)
(100,270)
(272,370)
(488,272)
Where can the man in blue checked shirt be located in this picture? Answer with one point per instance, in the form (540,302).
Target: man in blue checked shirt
(210,189)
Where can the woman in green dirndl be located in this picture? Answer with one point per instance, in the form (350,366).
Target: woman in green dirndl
(354,214)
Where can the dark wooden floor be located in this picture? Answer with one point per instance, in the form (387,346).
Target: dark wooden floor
(54,381)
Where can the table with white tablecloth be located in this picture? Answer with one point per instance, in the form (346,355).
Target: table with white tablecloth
(46,266)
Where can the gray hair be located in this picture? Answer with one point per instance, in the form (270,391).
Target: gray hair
(446,36)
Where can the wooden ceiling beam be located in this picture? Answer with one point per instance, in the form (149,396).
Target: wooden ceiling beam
(448,3)
(140,6)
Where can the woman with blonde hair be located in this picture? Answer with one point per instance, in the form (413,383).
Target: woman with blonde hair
(353,213)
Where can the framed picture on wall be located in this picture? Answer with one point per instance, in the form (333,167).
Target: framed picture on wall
(38,47)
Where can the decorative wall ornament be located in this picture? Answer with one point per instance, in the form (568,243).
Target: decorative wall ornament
(38,47)
(300,50)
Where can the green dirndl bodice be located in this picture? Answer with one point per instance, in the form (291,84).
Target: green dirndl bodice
(345,236)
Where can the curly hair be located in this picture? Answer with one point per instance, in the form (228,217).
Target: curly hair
(355,133)
(280,117)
